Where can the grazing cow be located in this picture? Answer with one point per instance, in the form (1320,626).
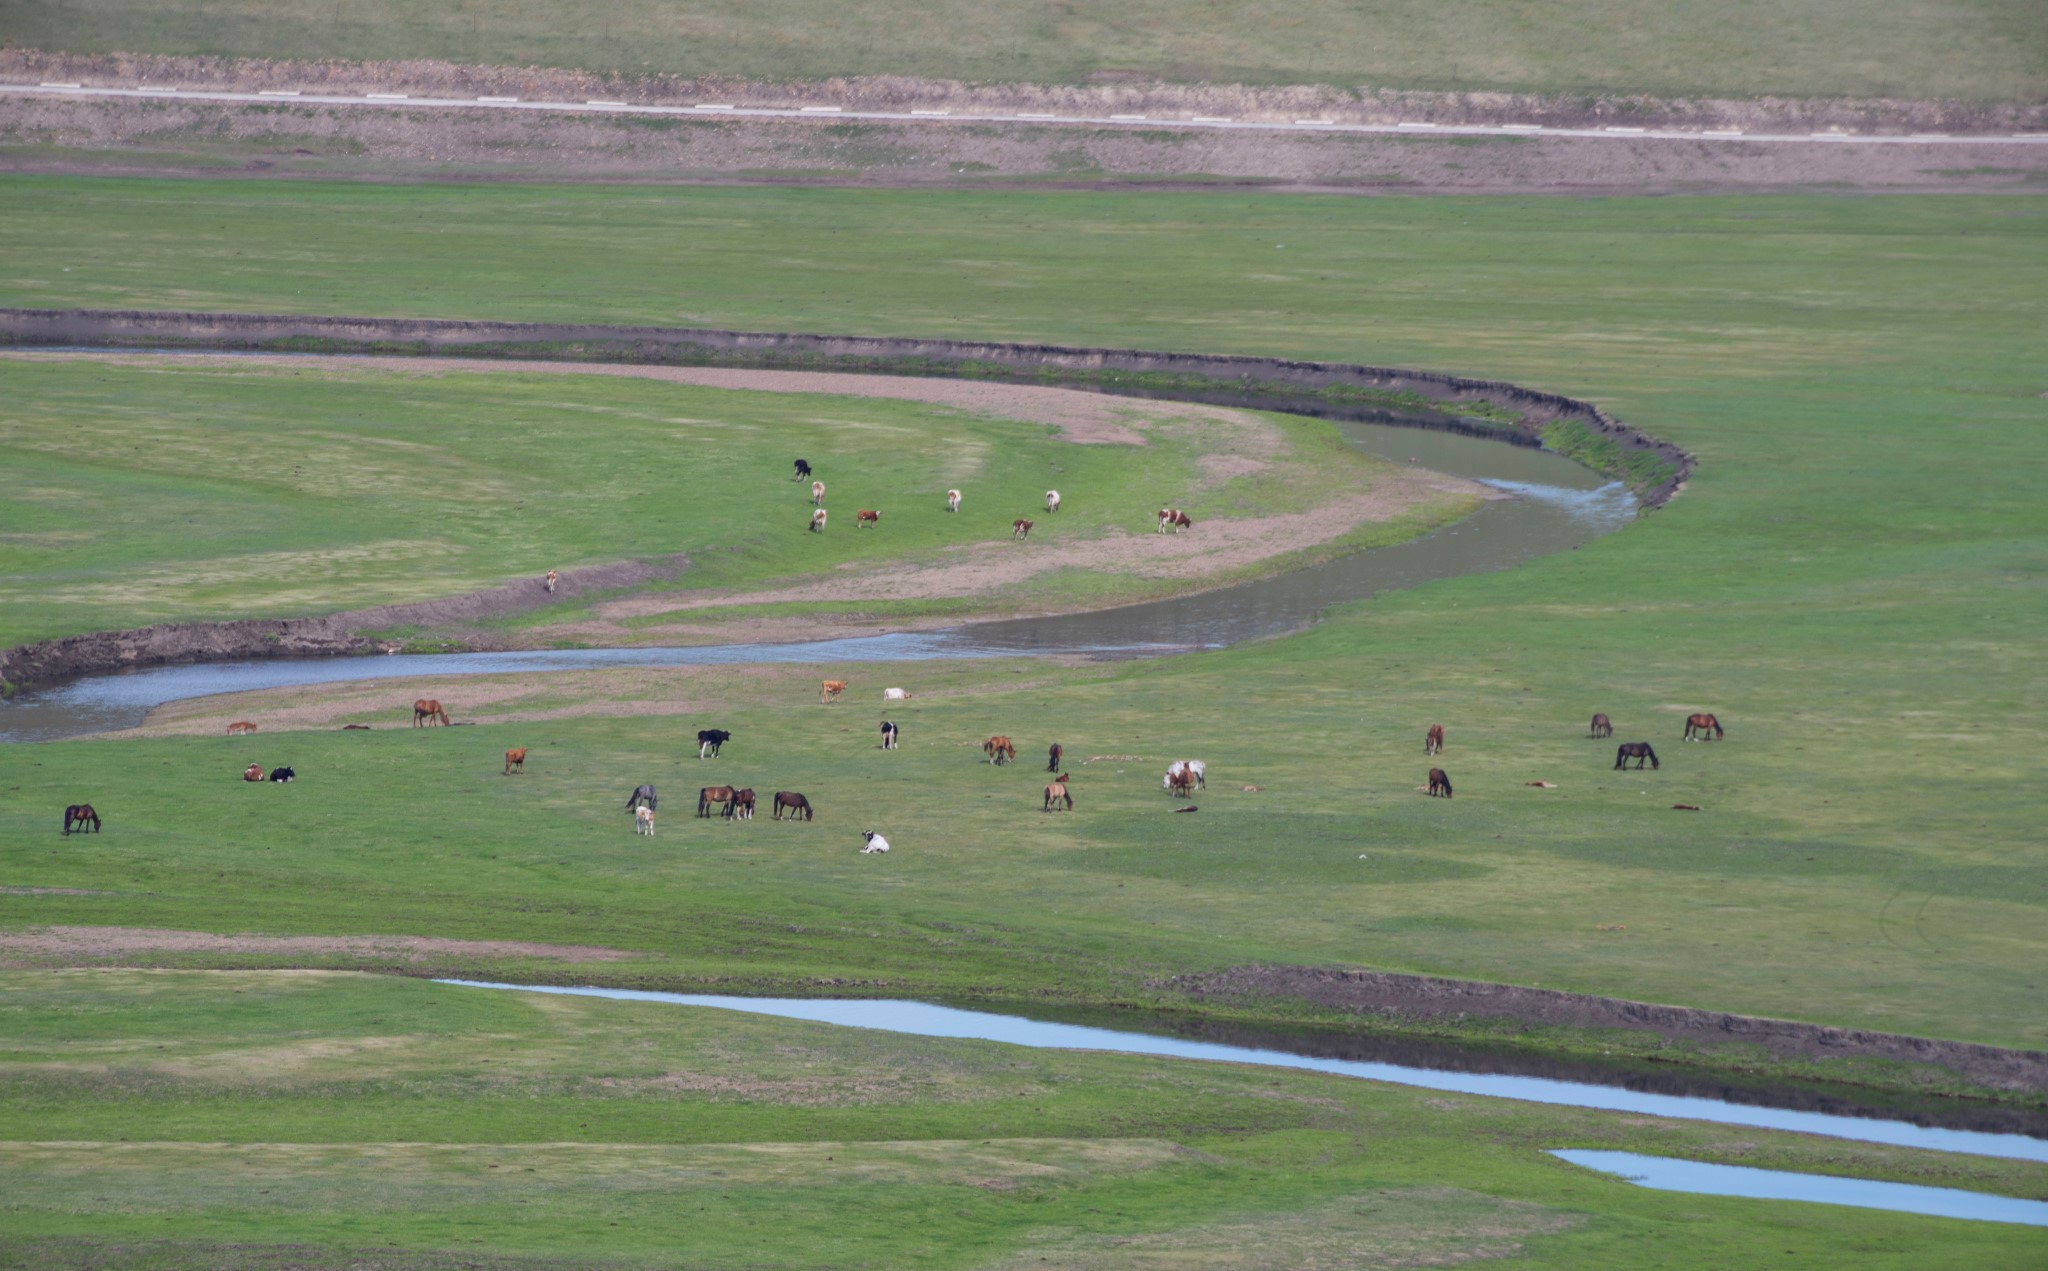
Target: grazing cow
(876,844)
(714,794)
(515,761)
(1433,741)
(895,695)
(1052,500)
(427,710)
(1021,528)
(803,469)
(1638,751)
(817,494)
(1052,757)
(709,740)
(741,808)
(999,750)
(240,727)
(254,772)
(888,735)
(1181,784)
(797,805)
(952,500)
(283,774)
(1057,793)
(642,797)
(1602,726)
(867,516)
(643,820)
(1195,766)
(1439,783)
(1175,518)
(1697,727)
(77,815)
(550,581)
(818,521)
(830,690)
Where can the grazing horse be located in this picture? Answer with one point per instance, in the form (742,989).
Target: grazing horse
(1052,757)
(999,750)
(254,772)
(888,735)
(1181,785)
(741,808)
(77,815)
(429,710)
(642,797)
(1057,793)
(817,494)
(643,820)
(715,794)
(1194,766)
(818,521)
(1636,750)
(709,740)
(1697,727)
(1021,528)
(1602,726)
(1173,517)
(830,690)
(515,761)
(1433,741)
(550,581)
(867,516)
(239,727)
(803,469)
(952,500)
(283,774)
(1439,783)
(1052,500)
(798,805)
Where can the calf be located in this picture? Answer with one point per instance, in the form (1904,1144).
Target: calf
(240,727)
(803,469)
(817,494)
(709,740)
(515,761)
(1439,784)
(952,500)
(818,521)
(888,735)
(643,820)
(254,772)
(875,843)
(866,517)
(895,695)
(830,690)
(283,774)
(550,581)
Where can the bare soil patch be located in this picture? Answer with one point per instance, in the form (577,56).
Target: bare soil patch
(135,946)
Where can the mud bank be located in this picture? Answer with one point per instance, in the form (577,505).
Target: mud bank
(1423,997)
(333,635)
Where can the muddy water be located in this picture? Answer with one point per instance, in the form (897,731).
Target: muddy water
(1557,505)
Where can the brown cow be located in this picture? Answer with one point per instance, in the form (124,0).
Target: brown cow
(1433,742)
(999,750)
(515,761)
(1439,783)
(427,709)
(254,772)
(830,690)
(867,516)
(239,727)
(1021,528)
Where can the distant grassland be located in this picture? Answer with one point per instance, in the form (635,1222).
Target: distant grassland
(1965,49)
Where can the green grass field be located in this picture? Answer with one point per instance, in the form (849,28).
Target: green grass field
(1970,49)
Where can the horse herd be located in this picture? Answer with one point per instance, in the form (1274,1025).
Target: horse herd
(1697,728)
(1169,518)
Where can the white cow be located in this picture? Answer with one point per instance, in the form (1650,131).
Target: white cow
(876,843)
(1178,766)
(895,695)
(643,820)
(1052,500)
(952,500)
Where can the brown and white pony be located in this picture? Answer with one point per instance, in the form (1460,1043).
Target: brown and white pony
(239,727)
(829,690)
(818,521)
(426,710)
(1021,528)
(1181,785)
(741,808)
(1433,741)
(999,750)
(952,500)
(1698,726)
(515,761)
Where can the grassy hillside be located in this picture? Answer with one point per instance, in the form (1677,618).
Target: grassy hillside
(1968,49)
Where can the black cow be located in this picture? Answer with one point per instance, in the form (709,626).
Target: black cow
(888,735)
(803,469)
(282,774)
(709,740)
(641,795)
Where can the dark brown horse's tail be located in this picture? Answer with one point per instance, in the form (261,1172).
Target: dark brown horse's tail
(1654,765)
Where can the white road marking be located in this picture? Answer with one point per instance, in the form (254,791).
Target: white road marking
(595,102)
(54,84)
(498,101)
(386,97)
(278,92)
(933,113)
(819,110)
(715,106)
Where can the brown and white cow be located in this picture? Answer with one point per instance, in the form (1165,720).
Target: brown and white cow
(817,494)
(867,516)
(952,500)
(1175,518)
(818,521)
(1021,528)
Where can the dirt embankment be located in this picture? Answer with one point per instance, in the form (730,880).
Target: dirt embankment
(1429,997)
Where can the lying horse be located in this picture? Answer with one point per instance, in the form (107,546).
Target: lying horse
(741,808)
(429,710)
(709,740)
(1697,727)
(888,735)
(283,774)
(797,805)
(715,794)
(803,469)
(1433,741)
(999,750)
(642,797)
(1603,726)
(1055,794)
(254,772)
(1439,783)
(1636,750)
(77,815)
(515,761)
(1052,757)
(239,727)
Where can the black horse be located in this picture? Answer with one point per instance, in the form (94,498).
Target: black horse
(1052,761)
(709,740)
(282,774)
(78,814)
(641,794)
(803,469)
(1636,750)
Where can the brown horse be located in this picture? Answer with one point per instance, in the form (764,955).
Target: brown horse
(550,581)
(1021,528)
(1439,783)
(829,690)
(1052,758)
(1433,741)
(1603,726)
(1181,785)
(515,761)
(1697,727)
(77,815)
(741,808)
(240,727)
(715,794)
(999,750)
(1636,750)
(1055,794)
(426,710)
(254,772)
(797,805)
